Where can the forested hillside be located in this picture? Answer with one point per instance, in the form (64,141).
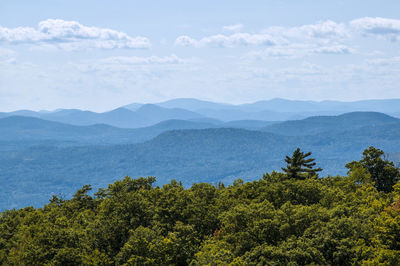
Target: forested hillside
(30,130)
(289,218)
(31,172)
(330,124)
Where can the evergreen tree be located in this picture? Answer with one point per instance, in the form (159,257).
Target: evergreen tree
(299,167)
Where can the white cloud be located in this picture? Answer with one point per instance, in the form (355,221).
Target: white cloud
(122,63)
(334,49)
(323,37)
(71,35)
(185,40)
(389,28)
(135,60)
(221,40)
(298,50)
(234,28)
(324,31)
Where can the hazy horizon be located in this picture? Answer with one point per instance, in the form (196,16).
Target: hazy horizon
(217,102)
(99,55)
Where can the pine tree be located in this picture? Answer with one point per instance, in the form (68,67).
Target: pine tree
(299,167)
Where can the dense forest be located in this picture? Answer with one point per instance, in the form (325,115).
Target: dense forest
(293,217)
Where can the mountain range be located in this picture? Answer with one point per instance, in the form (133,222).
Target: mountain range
(146,115)
(137,115)
(24,131)
(330,124)
(40,158)
(283,105)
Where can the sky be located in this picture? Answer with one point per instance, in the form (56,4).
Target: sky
(99,55)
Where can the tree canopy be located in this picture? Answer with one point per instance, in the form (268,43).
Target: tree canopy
(336,220)
(383,173)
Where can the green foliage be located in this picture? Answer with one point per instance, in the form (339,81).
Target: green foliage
(299,167)
(277,220)
(382,172)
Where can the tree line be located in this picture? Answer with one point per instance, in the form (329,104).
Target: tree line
(293,217)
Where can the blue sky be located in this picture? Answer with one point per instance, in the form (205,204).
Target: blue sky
(99,55)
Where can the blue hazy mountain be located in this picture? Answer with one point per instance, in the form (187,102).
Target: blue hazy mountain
(210,155)
(190,104)
(247,124)
(266,115)
(21,131)
(146,115)
(192,155)
(283,109)
(140,115)
(329,124)
(279,109)
(193,104)
(283,105)
(133,106)
(292,106)
(156,113)
(236,114)
(30,131)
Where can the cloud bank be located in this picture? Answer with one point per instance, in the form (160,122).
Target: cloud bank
(70,35)
(324,33)
(221,40)
(326,30)
(389,28)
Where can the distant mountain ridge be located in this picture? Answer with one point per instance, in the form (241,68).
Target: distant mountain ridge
(31,129)
(146,115)
(43,153)
(330,124)
(21,131)
(190,155)
(283,105)
(138,115)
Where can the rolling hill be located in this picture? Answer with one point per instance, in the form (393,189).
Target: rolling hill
(146,115)
(24,131)
(279,109)
(201,155)
(138,115)
(329,124)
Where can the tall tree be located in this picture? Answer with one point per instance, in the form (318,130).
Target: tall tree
(299,166)
(383,172)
